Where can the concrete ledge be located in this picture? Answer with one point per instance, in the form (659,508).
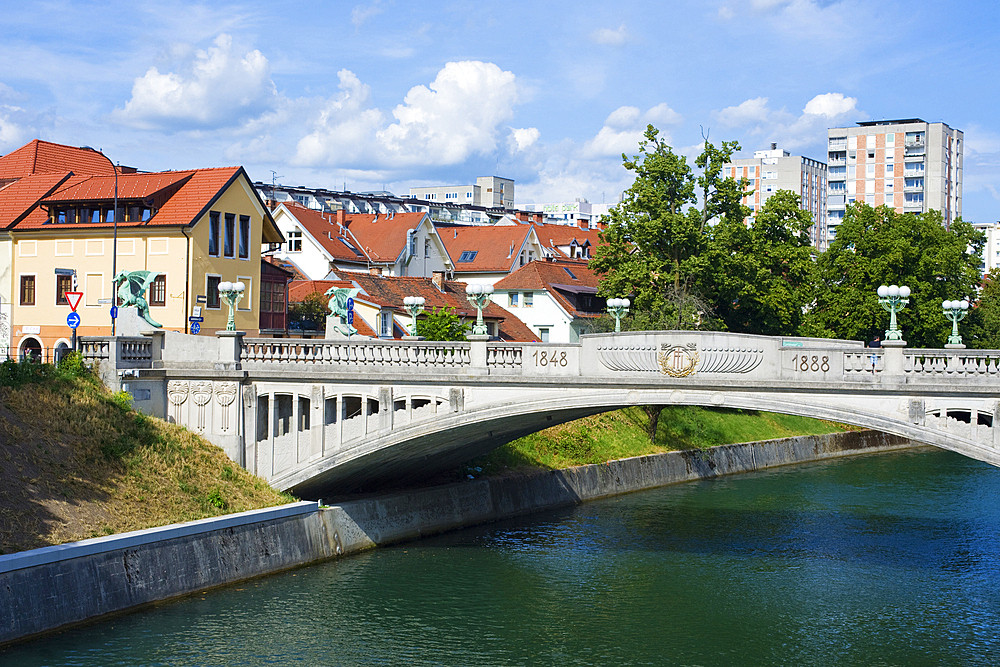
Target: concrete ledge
(66,584)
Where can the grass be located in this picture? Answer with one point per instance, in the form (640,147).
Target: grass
(623,433)
(76,461)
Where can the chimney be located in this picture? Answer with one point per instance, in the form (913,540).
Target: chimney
(341,217)
(437,277)
(774,146)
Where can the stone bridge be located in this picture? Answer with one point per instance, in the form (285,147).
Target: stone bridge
(322,416)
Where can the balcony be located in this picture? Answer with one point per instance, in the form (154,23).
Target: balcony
(838,144)
(914,187)
(836,162)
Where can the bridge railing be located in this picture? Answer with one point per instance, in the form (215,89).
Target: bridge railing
(962,363)
(125,352)
(371,353)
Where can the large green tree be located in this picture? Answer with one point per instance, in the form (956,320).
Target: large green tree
(877,246)
(981,328)
(762,273)
(655,240)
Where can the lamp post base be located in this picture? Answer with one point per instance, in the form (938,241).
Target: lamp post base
(894,343)
(954,346)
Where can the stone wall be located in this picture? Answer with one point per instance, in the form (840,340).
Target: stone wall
(48,588)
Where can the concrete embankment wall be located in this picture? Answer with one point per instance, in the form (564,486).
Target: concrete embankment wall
(47,588)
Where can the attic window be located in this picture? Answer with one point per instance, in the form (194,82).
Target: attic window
(350,247)
(468,256)
(570,273)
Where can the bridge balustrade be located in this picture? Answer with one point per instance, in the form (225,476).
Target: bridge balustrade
(374,353)
(965,363)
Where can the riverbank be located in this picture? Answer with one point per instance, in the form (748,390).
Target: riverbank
(55,586)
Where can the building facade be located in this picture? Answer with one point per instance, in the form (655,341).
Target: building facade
(771,170)
(489,191)
(909,165)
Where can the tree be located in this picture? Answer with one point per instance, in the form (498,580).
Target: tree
(877,246)
(981,328)
(442,324)
(763,273)
(655,239)
(310,313)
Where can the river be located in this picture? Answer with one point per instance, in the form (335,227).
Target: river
(887,559)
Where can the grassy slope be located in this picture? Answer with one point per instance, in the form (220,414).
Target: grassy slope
(623,433)
(78,462)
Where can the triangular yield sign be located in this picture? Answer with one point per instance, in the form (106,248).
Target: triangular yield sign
(74,299)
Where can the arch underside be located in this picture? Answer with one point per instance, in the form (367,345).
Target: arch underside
(417,451)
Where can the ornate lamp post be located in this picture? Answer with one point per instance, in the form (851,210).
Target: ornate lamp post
(413,305)
(892,299)
(232,293)
(479,296)
(956,312)
(618,308)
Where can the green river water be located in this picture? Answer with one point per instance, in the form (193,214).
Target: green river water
(887,559)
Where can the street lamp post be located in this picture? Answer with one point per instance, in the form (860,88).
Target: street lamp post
(956,312)
(114,243)
(479,296)
(618,309)
(893,298)
(232,293)
(413,305)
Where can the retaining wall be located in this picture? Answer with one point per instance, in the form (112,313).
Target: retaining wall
(47,588)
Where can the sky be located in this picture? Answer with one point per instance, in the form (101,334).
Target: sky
(382,94)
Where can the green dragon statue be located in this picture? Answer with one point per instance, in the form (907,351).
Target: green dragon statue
(132,286)
(338,306)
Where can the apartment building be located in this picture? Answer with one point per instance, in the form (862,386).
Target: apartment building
(907,164)
(771,170)
(580,213)
(489,191)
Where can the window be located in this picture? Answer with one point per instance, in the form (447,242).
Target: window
(27,290)
(544,335)
(468,195)
(468,256)
(213,233)
(229,245)
(427,248)
(513,299)
(870,170)
(295,240)
(890,139)
(212,289)
(64,283)
(244,236)
(571,274)
(529,299)
(385,324)
(158,291)
(871,155)
(888,186)
(889,167)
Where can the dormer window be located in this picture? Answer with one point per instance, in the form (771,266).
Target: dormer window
(468,256)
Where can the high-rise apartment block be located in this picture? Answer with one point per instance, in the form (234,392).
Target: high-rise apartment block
(772,170)
(909,165)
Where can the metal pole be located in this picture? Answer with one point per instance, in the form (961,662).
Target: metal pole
(114,247)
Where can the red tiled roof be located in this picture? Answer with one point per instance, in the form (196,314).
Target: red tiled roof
(130,186)
(496,247)
(389,292)
(43,157)
(286,265)
(383,237)
(552,236)
(23,195)
(324,228)
(298,290)
(554,276)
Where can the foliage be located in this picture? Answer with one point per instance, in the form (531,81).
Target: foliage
(310,313)
(762,275)
(877,246)
(442,324)
(981,328)
(656,239)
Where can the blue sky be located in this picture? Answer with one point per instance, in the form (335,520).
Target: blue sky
(388,93)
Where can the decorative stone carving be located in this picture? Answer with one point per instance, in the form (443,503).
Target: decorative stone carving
(678,361)
(225,394)
(177,394)
(201,391)
(730,360)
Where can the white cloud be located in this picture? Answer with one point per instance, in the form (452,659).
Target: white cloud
(610,37)
(751,111)
(220,87)
(523,138)
(361,14)
(788,130)
(13,134)
(457,115)
(831,105)
(662,114)
(623,117)
(726,13)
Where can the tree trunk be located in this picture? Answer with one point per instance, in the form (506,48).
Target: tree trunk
(653,412)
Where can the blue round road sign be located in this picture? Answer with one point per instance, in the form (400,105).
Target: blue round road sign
(73,320)
(195,327)
(350,317)
(350,305)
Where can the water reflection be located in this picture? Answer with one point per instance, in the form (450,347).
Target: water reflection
(874,560)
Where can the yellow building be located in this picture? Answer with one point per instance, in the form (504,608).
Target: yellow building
(194,228)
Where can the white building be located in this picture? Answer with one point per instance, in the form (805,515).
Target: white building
(909,165)
(580,213)
(772,170)
(489,191)
(991,249)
